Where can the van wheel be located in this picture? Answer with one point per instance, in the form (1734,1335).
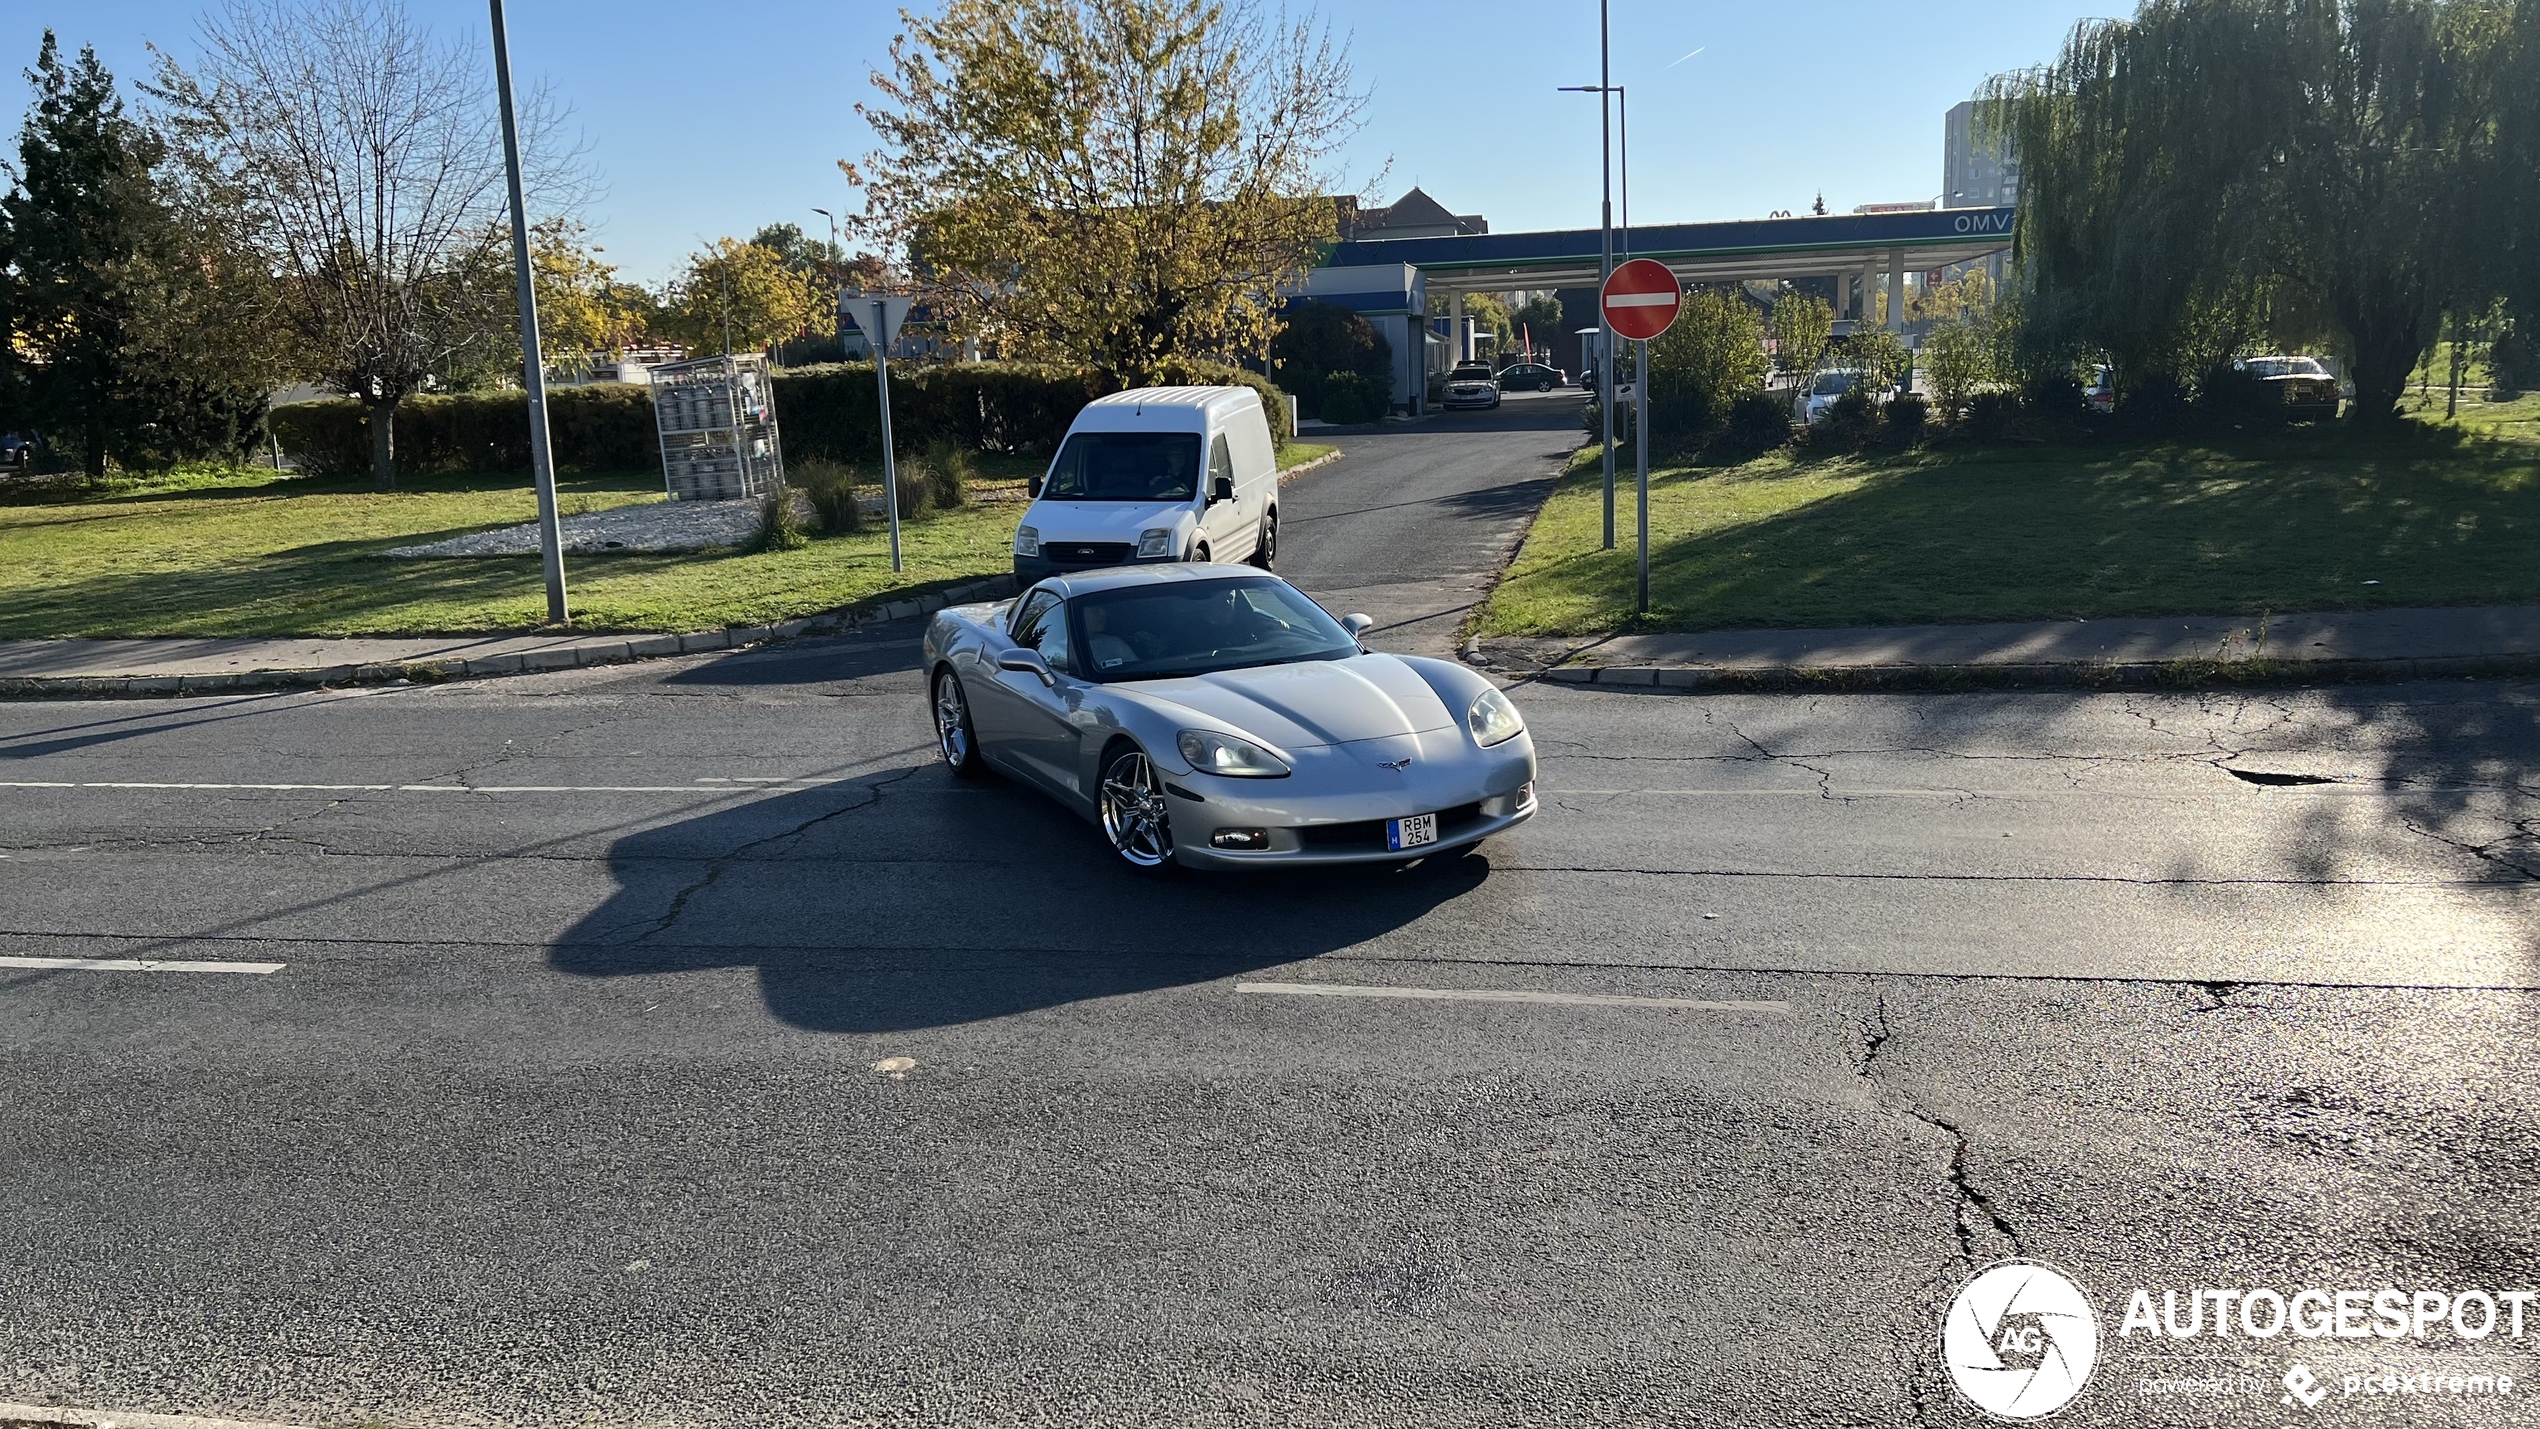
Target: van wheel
(1199,553)
(1265,552)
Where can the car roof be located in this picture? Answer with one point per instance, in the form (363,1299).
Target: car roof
(1125,577)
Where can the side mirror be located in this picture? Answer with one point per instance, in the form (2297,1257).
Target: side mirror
(1222,489)
(1037,479)
(1358,625)
(1030,662)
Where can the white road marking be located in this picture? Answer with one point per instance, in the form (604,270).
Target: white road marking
(139,965)
(1557,999)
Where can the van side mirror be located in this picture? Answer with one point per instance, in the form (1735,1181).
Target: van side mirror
(1222,489)
(1037,479)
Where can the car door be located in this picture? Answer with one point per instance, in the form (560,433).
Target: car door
(1026,727)
(1229,537)
(998,705)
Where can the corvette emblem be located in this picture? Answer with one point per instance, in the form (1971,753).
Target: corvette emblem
(1396,764)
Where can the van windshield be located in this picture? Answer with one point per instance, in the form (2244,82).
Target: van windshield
(1125,466)
(1834,384)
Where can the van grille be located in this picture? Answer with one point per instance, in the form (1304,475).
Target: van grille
(1086,553)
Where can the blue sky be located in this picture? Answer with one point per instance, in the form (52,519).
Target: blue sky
(1844,96)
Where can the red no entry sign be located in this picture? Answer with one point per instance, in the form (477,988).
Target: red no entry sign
(1640,300)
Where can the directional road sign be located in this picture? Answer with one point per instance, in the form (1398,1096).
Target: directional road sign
(1641,299)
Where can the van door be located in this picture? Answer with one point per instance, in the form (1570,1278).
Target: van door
(1230,535)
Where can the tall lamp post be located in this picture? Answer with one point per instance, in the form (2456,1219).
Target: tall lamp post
(1604,338)
(542,460)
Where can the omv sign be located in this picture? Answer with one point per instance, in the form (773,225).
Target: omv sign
(1998,221)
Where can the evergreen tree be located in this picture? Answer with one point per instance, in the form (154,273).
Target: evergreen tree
(74,229)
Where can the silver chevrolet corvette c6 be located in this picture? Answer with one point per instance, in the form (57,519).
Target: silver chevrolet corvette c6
(1213,719)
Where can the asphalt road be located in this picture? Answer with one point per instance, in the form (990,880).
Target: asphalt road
(574,1100)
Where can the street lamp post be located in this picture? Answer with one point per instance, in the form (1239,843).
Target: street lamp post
(1604,337)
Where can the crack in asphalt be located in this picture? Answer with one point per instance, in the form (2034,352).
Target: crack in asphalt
(717,867)
(2525,831)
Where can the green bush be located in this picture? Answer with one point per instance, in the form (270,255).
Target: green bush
(1758,423)
(603,427)
(1906,416)
(1847,425)
(1350,399)
(915,491)
(780,526)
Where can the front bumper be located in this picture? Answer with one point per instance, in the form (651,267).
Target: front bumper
(1333,810)
(1455,403)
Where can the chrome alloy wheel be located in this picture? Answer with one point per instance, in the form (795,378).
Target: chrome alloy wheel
(954,736)
(1133,811)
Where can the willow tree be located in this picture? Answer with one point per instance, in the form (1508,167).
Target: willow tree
(2211,170)
(1113,182)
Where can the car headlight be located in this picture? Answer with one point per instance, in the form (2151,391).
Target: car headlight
(1027,542)
(1155,541)
(1212,753)
(1494,719)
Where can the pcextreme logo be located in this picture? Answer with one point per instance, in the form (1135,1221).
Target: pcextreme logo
(2020,1340)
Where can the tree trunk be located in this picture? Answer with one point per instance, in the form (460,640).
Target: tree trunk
(2387,348)
(383,444)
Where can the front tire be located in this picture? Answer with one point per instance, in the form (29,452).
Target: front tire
(956,738)
(1135,816)
(1265,551)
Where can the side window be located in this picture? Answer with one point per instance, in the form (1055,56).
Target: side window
(1024,626)
(1053,641)
(1220,461)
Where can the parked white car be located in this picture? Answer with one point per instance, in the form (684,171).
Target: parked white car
(1152,475)
(1830,385)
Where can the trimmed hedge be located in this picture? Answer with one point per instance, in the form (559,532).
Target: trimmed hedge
(824,413)
(604,427)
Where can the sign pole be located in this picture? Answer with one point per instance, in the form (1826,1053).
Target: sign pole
(890,464)
(1605,338)
(1640,425)
(533,365)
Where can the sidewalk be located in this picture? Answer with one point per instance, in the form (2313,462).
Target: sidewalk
(217,666)
(2350,645)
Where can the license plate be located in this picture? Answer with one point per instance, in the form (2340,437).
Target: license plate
(1412,832)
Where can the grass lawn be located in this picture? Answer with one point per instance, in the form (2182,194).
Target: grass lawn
(245,553)
(2307,519)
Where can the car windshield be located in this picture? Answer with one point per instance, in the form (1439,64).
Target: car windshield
(1833,384)
(1126,466)
(1163,632)
(2286,367)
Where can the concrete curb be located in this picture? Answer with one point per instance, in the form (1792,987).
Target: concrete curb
(2083,675)
(1301,468)
(36,1416)
(599,650)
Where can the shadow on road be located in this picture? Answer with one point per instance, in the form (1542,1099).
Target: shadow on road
(907,899)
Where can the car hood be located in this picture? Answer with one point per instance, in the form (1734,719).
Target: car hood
(1312,703)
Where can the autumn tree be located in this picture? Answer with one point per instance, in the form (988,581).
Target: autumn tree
(738,297)
(366,157)
(1112,182)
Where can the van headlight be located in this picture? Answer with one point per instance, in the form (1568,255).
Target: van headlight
(1155,541)
(1212,753)
(1027,542)
(1494,720)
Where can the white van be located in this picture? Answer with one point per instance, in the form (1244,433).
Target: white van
(1156,474)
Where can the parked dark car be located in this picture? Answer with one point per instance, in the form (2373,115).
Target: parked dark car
(1529,377)
(2307,389)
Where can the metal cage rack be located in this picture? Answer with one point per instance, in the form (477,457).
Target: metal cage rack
(717,417)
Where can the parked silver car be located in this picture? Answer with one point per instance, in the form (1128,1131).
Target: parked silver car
(1209,719)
